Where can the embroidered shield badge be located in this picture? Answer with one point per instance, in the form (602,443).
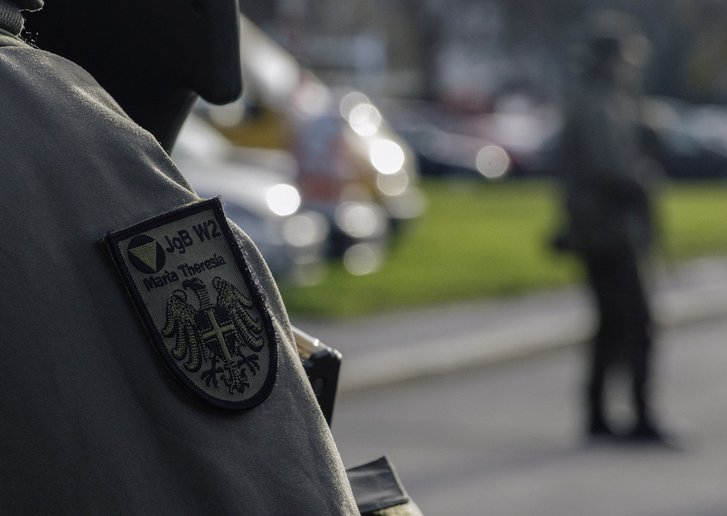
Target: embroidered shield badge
(199,300)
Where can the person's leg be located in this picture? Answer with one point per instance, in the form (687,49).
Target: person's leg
(640,365)
(602,351)
(596,413)
(638,341)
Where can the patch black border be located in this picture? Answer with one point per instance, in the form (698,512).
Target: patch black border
(113,240)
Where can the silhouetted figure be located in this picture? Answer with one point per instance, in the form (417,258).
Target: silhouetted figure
(606,181)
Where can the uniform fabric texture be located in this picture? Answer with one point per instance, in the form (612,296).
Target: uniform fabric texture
(92,421)
(10,18)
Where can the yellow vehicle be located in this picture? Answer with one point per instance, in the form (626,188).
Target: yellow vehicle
(352,166)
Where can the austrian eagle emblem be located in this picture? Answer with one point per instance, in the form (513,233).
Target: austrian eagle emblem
(201,303)
(221,341)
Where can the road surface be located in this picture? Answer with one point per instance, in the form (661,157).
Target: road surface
(505,440)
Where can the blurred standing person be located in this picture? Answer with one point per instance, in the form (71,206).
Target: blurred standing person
(607,183)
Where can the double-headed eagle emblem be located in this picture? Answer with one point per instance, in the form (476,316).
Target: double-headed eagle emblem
(221,341)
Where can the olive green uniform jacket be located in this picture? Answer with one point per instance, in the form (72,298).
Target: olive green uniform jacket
(92,421)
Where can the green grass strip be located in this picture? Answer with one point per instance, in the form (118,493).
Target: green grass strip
(487,239)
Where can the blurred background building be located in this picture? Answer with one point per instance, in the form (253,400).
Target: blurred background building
(468,52)
(475,86)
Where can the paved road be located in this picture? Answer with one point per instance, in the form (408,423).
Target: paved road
(504,439)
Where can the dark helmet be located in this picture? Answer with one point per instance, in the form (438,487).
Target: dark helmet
(152,56)
(612,35)
(29,5)
(12,18)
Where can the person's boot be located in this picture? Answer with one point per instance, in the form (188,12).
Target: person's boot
(596,423)
(646,430)
(597,427)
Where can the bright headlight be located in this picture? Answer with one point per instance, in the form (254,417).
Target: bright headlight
(393,184)
(492,161)
(363,258)
(360,220)
(305,229)
(283,199)
(387,156)
(365,119)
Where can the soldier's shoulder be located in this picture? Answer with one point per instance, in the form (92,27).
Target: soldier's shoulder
(32,75)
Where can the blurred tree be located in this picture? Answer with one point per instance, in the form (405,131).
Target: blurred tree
(423,47)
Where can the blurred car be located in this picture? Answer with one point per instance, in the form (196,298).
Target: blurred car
(689,141)
(258,191)
(448,154)
(349,160)
(385,162)
(442,146)
(331,179)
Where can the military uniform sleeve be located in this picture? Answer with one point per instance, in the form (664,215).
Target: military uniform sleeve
(94,420)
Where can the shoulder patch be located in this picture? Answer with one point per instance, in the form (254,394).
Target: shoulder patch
(200,303)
